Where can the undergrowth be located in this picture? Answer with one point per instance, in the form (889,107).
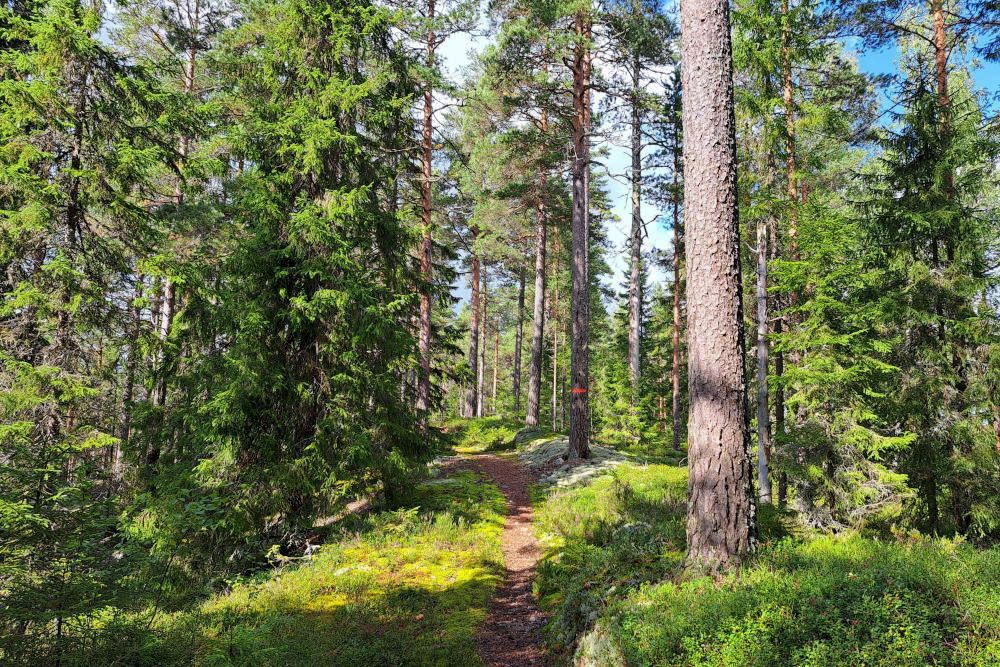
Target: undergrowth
(614,585)
(486,434)
(407,586)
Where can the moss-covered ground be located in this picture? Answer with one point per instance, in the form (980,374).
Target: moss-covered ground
(407,586)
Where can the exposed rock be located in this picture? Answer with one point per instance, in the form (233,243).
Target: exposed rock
(550,455)
(597,648)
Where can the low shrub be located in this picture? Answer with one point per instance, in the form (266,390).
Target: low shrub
(824,601)
(614,584)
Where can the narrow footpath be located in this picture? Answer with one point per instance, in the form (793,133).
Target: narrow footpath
(512,632)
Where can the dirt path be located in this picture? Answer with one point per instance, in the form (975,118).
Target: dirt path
(512,633)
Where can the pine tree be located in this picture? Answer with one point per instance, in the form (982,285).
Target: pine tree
(721,521)
(641,43)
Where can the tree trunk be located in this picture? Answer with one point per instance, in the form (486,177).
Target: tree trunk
(538,312)
(804,495)
(931,493)
(496,366)
(791,168)
(471,396)
(763,414)
(426,269)
(996,426)
(941,73)
(634,295)
(125,435)
(481,380)
(554,320)
(553,313)
(579,436)
(518,341)
(169,295)
(779,369)
(721,507)
(675,377)
(166,321)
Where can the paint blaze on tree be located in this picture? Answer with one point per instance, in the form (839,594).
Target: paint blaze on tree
(720,520)
(579,423)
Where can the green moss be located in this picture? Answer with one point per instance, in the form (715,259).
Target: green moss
(406,586)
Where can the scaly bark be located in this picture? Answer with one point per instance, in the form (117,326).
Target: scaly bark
(579,427)
(721,507)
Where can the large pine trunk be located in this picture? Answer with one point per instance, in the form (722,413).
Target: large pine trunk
(721,507)
(579,426)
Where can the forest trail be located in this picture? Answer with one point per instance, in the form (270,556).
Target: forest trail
(512,633)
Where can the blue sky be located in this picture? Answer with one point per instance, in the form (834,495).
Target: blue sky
(455,55)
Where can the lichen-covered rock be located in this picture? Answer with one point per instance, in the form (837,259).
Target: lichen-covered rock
(598,648)
(552,456)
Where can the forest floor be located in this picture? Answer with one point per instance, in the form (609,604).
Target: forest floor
(449,575)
